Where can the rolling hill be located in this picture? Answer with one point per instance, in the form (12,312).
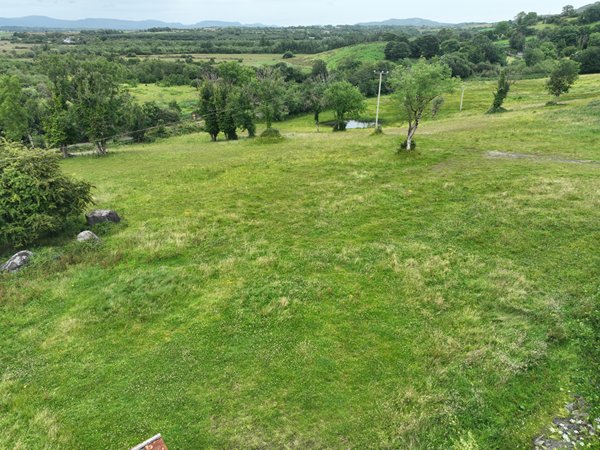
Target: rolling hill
(47,23)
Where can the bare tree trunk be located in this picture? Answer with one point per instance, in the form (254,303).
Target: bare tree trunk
(412,129)
(101,148)
(411,134)
(30,140)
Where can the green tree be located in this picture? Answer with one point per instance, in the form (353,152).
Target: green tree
(533,55)
(450,46)
(319,70)
(207,108)
(589,60)
(345,100)
(568,11)
(225,111)
(562,77)
(60,124)
(417,87)
(517,41)
(502,90)
(243,103)
(14,119)
(590,14)
(270,90)
(426,46)
(460,65)
(395,51)
(99,101)
(313,93)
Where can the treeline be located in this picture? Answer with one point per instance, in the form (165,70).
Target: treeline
(60,100)
(71,101)
(530,44)
(309,40)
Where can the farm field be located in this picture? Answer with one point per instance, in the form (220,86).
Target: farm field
(250,59)
(322,291)
(185,96)
(366,53)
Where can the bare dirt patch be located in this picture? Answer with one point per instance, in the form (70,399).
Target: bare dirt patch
(507,155)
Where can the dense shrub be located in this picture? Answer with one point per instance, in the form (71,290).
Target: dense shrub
(271,133)
(35,197)
(589,60)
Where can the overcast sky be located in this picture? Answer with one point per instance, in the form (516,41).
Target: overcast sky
(282,12)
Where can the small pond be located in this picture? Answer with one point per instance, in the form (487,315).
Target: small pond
(355,124)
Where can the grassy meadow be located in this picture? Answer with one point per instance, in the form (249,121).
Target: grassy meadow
(185,96)
(367,53)
(320,292)
(249,59)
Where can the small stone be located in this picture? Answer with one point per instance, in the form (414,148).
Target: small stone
(102,215)
(17,262)
(87,236)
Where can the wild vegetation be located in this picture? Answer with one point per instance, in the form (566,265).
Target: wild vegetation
(304,288)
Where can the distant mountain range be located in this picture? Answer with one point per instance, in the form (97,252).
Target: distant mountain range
(48,23)
(414,22)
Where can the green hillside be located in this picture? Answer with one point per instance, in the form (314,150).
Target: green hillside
(322,292)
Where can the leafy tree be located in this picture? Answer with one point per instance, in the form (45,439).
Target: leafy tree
(345,100)
(562,77)
(270,90)
(225,112)
(426,46)
(517,41)
(502,28)
(314,98)
(99,101)
(589,60)
(207,108)
(243,103)
(14,118)
(319,70)
(568,11)
(365,79)
(590,14)
(533,55)
(395,51)
(138,122)
(417,87)
(61,123)
(594,39)
(35,197)
(450,46)
(502,90)
(460,65)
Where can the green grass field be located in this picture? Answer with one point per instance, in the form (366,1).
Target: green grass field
(185,96)
(367,53)
(371,52)
(250,59)
(321,292)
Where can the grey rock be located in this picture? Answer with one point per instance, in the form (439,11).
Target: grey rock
(17,262)
(87,236)
(102,215)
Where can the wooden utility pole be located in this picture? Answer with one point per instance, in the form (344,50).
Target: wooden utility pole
(381,72)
